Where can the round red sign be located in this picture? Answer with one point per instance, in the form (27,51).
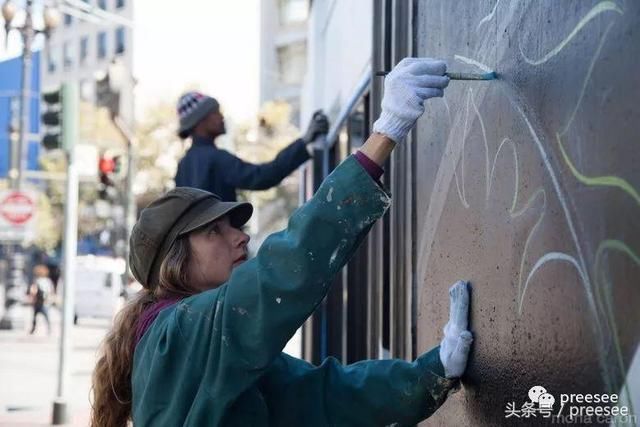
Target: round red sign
(17,208)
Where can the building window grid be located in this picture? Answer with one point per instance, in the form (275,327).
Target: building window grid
(51,61)
(119,4)
(67,53)
(120,41)
(102,45)
(292,63)
(102,4)
(84,49)
(293,12)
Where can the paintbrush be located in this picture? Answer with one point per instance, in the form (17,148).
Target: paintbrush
(490,75)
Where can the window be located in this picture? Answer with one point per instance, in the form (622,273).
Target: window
(84,49)
(102,45)
(102,4)
(68,19)
(293,11)
(119,40)
(292,63)
(52,63)
(67,50)
(119,4)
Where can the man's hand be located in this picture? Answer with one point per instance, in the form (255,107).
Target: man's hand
(319,125)
(454,348)
(406,87)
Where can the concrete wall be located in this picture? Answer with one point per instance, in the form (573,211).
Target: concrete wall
(529,188)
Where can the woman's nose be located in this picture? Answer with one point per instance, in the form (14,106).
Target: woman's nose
(244,238)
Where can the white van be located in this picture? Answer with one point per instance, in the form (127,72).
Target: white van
(98,287)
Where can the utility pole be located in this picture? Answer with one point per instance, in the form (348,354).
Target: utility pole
(25,103)
(70,133)
(130,200)
(109,89)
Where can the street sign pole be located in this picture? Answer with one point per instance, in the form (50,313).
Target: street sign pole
(130,201)
(70,131)
(17,223)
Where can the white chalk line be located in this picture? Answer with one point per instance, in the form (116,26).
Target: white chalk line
(455,172)
(470,61)
(595,11)
(548,257)
(515,164)
(486,147)
(587,79)
(489,16)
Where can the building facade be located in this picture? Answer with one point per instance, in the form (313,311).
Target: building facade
(526,186)
(86,43)
(283,51)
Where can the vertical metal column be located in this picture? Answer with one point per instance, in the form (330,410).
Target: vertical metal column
(411,226)
(399,232)
(70,116)
(379,61)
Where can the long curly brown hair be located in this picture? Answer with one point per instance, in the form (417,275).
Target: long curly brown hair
(111,381)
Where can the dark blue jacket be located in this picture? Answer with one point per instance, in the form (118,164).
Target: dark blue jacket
(206,167)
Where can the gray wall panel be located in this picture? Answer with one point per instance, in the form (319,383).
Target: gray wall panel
(528,186)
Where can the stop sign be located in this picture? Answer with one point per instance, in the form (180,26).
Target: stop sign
(17,207)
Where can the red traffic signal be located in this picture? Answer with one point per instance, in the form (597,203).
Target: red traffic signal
(106,165)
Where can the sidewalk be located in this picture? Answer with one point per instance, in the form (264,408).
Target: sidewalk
(29,371)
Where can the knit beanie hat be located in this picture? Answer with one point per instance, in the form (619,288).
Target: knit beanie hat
(193,107)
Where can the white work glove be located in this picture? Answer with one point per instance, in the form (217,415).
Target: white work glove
(406,87)
(454,348)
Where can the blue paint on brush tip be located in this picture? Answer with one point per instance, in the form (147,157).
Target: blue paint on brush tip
(491,75)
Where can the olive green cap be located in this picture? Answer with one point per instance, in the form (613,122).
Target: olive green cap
(176,213)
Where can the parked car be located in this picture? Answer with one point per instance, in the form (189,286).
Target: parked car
(99,287)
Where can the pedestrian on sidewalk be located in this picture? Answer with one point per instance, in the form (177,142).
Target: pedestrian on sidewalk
(207,167)
(202,343)
(40,291)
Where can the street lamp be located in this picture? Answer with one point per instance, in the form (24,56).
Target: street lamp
(8,12)
(51,19)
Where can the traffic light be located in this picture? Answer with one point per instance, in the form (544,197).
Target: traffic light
(106,164)
(52,119)
(106,168)
(119,166)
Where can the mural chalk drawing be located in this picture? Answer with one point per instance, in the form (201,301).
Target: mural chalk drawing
(533,196)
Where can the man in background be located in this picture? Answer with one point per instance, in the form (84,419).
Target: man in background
(209,168)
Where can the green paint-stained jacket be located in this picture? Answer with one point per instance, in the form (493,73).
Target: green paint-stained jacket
(215,359)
